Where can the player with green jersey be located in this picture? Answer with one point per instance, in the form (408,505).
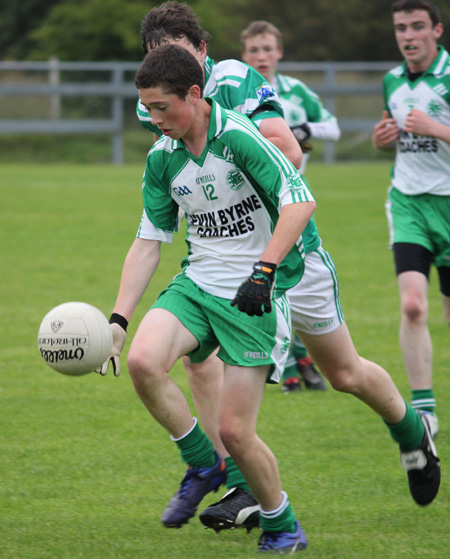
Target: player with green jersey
(416,123)
(243,200)
(231,195)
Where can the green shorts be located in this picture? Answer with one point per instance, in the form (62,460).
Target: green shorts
(423,220)
(246,341)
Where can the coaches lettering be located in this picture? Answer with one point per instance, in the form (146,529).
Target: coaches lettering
(412,143)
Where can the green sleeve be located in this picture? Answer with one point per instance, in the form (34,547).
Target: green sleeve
(160,207)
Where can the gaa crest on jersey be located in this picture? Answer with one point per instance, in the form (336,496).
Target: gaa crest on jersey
(264,92)
(235,180)
(434,108)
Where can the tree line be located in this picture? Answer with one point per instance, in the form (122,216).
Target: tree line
(104,30)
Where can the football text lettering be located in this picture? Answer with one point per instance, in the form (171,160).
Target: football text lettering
(56,355)
(74,342)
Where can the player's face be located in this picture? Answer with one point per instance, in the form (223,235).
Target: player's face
(172,115)
(263,53)
(416,38)
(199,54)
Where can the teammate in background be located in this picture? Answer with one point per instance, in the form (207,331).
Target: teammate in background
(262,49)
(231,183)
(416,123)
(246,93)
(316,313)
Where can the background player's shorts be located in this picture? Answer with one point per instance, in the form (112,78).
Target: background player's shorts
(315,303)
(246,341)
(423,220)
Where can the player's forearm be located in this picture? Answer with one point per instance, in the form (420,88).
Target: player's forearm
(140,264)
(441,132)
(291,223)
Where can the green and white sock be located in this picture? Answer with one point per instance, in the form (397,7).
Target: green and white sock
(281,519)
(234,475)
(409,432)
(195,448)
(423,400)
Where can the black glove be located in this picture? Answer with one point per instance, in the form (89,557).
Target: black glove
(302,132)
(255,294)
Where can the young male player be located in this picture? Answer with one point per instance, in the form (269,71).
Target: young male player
(244,203)
(262,49)
(416,123)
(315,301)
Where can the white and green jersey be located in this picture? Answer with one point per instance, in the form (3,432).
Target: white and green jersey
(422,163)
(302,105)
(231,195)
(234,85)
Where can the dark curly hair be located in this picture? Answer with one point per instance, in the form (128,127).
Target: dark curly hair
(171,20)
(411,5)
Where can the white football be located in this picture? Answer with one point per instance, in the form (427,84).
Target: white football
(75,338)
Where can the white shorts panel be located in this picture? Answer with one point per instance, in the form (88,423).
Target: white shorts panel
(315,303)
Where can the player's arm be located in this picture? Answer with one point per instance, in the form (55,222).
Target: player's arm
(385,133)
(278,132)
(140,264)
(293,219)
(320,123)
(418,122)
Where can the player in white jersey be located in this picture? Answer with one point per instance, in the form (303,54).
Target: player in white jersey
(416,123)
(262,49)
(244,202)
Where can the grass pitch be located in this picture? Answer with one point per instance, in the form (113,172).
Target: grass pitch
(85,471)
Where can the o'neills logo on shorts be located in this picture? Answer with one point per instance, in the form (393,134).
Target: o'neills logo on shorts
(256,355)
(323,324)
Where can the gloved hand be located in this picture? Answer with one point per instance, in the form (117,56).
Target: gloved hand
(302,132)
(119,335)
(254,296)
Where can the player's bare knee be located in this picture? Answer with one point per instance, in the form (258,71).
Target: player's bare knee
(142,370)
(343,380)
(414,308)
(232,437)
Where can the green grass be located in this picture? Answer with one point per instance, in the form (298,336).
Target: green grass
(86,473)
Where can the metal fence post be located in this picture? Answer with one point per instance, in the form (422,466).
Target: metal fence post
(54,79)
(117,117)
(330,103)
